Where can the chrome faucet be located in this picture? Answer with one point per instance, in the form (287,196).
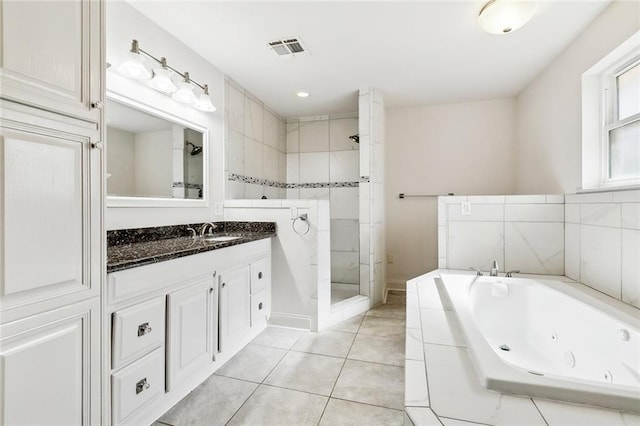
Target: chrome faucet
(494,269)
(203,228)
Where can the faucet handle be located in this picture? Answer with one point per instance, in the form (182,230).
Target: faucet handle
(478,271)
(508,274)
(193,232)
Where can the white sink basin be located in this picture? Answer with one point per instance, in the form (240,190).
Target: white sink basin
(220,239)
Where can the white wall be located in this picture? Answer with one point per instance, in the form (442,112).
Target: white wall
(125,23)
(464,148)
(549,137)
(120,160)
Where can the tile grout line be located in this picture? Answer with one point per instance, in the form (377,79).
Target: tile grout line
(260,384)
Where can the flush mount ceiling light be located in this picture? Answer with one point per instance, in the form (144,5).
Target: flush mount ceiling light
(506,16)
(134,67)
(302,94)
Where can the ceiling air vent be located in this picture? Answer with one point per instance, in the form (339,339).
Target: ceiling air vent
(288,47)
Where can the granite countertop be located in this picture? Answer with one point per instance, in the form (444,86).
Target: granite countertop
(131,248)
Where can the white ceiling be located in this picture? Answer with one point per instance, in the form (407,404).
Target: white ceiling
(418,53)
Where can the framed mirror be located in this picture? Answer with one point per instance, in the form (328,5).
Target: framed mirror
(154,159)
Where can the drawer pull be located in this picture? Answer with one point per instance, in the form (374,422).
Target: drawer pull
(142,385)
(144,329)
(259,275)
(260,306)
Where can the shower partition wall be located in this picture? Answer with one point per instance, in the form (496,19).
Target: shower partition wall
(323,163)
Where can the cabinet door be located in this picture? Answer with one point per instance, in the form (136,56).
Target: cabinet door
(50,208)
(189,331)
(50,368)
(50,55)
(235,308)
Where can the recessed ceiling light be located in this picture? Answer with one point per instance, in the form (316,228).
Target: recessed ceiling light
(302,94)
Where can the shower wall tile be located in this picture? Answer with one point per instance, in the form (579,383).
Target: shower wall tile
(345,235)
(365,151)
(292,138)
(631,267)
(282,168)
(270,129)
(270,163)
(235,190)
(343,166)
(314,167)
(345,268)
(253,158)
(534,247)
(314,136)
(253,191)
(364,190)
(314,193)
(600,259)
(235,152)
(235,109)
(293,168)
(292,194)
(572,213)
(479,212)
(339,132)
(627,196)
(253,119)
(282,135)
(344,203)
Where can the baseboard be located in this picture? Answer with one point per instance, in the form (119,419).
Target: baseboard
(290,320)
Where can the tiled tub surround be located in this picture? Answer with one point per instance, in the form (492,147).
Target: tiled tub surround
(129,248)
(521,232)
(602,242)
(441,385)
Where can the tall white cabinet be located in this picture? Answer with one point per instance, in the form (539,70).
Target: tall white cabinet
(51,191)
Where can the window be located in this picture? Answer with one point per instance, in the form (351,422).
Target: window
(611,119)
(621,141)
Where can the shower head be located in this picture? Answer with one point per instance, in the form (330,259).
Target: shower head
(355,138)
(195,149)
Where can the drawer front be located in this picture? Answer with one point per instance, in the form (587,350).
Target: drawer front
(137,330)
(260,308)
(260,271)
(136,385)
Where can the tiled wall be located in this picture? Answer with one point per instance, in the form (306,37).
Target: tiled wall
(602,239)
(323,163)
(255,146)
(521,232)
(372,215)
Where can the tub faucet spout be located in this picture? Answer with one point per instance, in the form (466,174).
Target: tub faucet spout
(494,269)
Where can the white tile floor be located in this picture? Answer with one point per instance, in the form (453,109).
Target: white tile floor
(352,374)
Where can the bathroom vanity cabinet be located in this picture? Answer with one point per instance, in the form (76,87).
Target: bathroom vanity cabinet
(51,92)
(173,323)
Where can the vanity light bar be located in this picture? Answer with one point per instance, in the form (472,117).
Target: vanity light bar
(203,103)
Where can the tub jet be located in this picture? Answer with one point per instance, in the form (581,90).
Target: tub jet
(505,348)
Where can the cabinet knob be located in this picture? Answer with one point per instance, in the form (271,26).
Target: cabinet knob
(97,145)
(259,275)
(211,290)
(260,306)
(97,105)
(142,385)
(144,329)
(223,285)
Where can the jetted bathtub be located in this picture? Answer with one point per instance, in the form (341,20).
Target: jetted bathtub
(548,339)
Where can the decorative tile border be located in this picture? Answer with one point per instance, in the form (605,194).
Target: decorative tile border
(187,185)
(267,182)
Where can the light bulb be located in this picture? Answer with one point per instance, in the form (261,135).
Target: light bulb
(506,16)
(162,81)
